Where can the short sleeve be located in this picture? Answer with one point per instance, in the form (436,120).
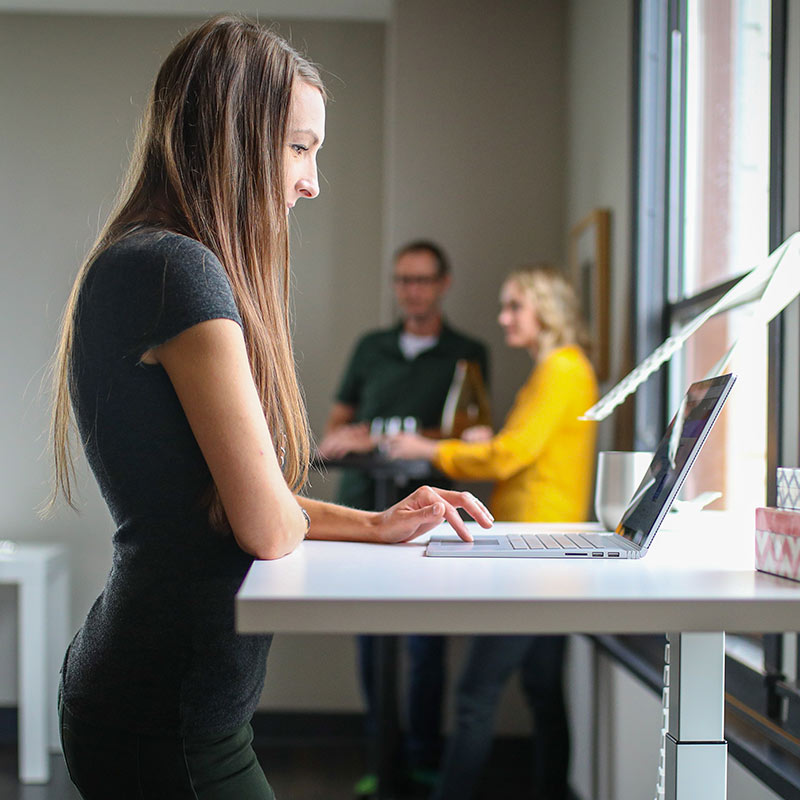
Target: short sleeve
(157,285)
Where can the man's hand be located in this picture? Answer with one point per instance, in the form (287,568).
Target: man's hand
(346,439)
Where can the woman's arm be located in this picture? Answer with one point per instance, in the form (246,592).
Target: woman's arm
(554,391)
(418,513)
(210,371)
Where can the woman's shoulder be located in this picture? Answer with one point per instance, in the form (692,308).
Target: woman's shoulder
(569,363)
(569,357)
(151,246)
(152,260)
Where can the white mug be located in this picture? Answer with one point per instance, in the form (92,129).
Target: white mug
(619,474)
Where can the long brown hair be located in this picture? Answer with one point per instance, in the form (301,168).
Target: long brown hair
(208,163)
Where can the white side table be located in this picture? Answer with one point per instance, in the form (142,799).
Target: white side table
(41,573)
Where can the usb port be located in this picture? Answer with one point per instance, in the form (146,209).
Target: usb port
(597,554)
(613,555)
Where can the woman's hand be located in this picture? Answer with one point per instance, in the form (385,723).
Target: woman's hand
(410,445)
(425,509)
(477,433)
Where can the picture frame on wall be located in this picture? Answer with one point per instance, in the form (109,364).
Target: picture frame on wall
(589,266)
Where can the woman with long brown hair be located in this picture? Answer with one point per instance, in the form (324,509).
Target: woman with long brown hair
(176,360)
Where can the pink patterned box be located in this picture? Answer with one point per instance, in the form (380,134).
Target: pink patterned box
(778,542)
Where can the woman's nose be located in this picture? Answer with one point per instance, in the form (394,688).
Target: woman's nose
(308,185)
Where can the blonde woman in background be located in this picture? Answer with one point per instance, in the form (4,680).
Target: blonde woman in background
(541,461)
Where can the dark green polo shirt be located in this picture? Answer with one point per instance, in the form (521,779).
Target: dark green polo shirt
(381,382)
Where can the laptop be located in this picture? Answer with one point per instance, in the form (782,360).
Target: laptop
(646,510)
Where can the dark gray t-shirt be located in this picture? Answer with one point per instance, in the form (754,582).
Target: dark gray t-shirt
(158,653)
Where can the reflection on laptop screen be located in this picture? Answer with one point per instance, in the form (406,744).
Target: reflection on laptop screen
(673,458)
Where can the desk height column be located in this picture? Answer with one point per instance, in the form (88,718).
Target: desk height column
(696,750)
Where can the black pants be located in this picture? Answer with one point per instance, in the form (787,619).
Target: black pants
(489,664)
(105,763)
(424,702)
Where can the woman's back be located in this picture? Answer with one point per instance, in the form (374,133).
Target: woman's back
(158,652)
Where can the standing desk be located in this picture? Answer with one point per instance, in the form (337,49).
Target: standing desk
(696,582)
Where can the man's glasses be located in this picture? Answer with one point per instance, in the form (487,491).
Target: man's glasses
(415,280)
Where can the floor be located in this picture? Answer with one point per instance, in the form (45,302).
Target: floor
(319,771)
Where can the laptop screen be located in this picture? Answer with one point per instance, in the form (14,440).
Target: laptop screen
(672,459)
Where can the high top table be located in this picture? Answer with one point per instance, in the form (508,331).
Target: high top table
(696,582)
(41,575)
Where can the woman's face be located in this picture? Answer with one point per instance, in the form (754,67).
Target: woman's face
(518,317)
(305,133)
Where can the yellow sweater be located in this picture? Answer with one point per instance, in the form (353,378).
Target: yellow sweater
(543,458)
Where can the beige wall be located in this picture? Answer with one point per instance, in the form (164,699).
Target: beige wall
(476,150)
(599,80)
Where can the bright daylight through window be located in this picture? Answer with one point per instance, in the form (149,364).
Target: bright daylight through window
(725,232)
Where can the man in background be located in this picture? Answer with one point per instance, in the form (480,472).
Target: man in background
(402,371)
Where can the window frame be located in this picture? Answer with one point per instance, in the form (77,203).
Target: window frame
(764,705)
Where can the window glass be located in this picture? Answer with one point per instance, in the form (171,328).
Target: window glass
(726,232)
(733,460)
(726,210)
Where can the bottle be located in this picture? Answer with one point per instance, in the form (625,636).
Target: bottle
(467,401)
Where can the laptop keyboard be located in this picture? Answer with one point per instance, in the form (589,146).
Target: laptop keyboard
(559,541)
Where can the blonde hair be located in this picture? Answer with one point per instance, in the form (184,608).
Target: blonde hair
(208,164)
(556,306)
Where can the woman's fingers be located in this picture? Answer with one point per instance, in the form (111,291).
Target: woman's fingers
(426,508)
(471,504)
(455,500)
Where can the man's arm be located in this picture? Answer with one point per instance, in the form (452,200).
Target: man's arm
(341,414)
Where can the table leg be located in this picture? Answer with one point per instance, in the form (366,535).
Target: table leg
(385,494)
(696,750)
(387,652)
(595,721)
(58,614)
(34,683)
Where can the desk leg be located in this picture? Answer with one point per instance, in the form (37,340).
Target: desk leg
(384,492)
(387,652)
(696,750)
(34,684)
(58,614)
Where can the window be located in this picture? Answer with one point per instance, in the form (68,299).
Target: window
(722,177)
(709,182)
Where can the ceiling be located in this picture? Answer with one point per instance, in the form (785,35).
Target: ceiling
(375,10)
